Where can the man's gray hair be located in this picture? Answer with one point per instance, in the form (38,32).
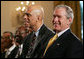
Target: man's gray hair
(68,10)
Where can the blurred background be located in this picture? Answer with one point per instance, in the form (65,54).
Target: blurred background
(11,14)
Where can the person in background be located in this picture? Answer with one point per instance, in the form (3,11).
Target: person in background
(65,44)
(26,24)
(21,34)
(7,44)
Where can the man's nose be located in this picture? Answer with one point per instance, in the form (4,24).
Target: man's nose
(25,19)
(55,19)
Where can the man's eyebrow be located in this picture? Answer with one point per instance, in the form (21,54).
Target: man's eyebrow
(54,15)
(28,14)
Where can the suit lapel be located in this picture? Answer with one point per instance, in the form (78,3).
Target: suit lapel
(42,42)
(64,35)
(13,53)
(39,39)
(42,36)
(26,45)
(61,38)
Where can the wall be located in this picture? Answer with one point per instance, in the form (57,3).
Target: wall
(8,14)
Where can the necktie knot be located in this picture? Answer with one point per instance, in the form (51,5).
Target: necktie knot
(34,37)
(55,37)
(52,40)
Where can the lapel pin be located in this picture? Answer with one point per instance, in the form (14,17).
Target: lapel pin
(58,44)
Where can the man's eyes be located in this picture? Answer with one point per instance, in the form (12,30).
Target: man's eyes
(56,16)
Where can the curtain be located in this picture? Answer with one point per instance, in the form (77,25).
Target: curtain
(76,25)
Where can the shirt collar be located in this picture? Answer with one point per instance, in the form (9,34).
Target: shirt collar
(11,48)
(21,46)
(37,32)
(60,33)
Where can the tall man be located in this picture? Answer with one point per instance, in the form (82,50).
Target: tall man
(67,45)
(34,47)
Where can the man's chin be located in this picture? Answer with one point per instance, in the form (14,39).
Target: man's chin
(57,30)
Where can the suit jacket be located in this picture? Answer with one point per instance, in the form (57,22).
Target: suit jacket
(66,46)
(44,35)
(3,54)
(12,54)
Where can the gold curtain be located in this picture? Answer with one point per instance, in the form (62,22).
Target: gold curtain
(76,26)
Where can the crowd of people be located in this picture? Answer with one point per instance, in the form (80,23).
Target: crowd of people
(35,40)
(10,42)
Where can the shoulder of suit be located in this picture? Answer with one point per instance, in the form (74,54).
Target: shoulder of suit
(50,30)
(28,36)
(71,38)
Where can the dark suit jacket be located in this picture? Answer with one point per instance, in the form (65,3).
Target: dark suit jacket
(3,55)
(44,35)
(66,46)
(12,54)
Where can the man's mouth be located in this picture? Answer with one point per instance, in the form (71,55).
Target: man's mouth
(56,24)
(26,22)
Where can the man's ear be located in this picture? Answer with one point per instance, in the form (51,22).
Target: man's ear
(70,20)
(39,17)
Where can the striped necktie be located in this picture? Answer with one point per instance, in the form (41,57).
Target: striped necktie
(51,41)
(32,45)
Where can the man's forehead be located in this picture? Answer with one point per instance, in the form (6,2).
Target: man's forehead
(33,7)
(6,34)
(30,12)
(60,11)
(27,12)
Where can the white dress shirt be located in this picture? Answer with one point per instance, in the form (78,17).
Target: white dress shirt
(9,50)
(21,47)
(19,51)
(60,33)
(37,32)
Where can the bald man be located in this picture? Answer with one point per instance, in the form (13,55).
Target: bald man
(35,18)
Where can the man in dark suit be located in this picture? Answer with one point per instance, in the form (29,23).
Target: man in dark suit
(66,45)
(6,44)
(43,34)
